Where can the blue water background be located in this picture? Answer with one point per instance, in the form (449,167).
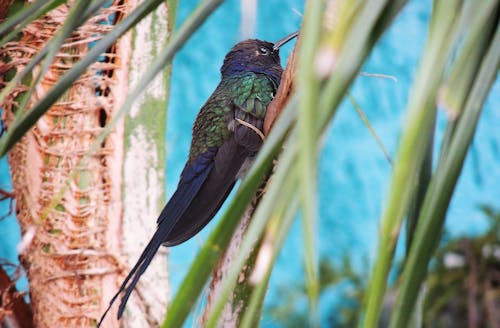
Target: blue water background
(353,172)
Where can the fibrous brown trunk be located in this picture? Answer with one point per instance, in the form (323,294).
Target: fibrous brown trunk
(71,211)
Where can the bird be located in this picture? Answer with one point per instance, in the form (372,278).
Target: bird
(226,136)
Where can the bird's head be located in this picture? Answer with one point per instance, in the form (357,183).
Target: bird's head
(255,56)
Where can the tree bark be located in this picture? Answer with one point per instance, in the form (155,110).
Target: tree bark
(144,169)
(238,300)
(73,252)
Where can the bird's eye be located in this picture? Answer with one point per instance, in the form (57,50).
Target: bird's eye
(264,50)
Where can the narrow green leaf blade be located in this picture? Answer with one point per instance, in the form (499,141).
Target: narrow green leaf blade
(308,82)
(414,142)
(442,186)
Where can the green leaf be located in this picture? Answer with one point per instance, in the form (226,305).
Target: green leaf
(255,229)
(309,82)
(415,141)
(442,185)
(276,232)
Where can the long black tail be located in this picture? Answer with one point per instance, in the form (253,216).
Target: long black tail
(136,272)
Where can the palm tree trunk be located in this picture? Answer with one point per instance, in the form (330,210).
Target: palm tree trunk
(144,167)
(74,251)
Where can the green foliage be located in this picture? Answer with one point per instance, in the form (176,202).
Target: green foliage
(408,190)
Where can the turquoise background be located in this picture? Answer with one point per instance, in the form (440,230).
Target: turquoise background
(353,172)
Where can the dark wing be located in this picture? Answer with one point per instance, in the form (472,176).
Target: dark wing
(217,186)
(242,143)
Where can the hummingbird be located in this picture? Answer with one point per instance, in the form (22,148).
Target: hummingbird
(226,138)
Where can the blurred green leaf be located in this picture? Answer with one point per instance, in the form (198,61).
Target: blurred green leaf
(309,84)
(442,185)
(415,141)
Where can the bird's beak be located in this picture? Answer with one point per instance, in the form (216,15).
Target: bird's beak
(287,38)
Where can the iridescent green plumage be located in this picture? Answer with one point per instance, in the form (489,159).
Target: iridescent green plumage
(250,92)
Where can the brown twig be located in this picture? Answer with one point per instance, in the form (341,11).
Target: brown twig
(282,95)
(4,5)
(4,195)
